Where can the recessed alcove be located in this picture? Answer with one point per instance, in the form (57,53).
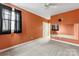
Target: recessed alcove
(65,31)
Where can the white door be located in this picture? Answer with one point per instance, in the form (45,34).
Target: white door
(46,33)
(46,29)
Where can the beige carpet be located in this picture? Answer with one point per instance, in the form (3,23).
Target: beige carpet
(51,48)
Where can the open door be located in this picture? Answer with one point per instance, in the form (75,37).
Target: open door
(46,30)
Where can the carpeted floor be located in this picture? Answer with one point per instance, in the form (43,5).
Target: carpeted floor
(51,48)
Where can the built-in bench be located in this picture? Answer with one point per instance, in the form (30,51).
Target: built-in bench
(63,36)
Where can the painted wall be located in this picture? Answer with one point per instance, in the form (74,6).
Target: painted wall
(70,17)
(32,28)
(66,29)
(67,23)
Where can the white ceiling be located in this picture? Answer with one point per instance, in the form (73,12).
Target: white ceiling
(41,10)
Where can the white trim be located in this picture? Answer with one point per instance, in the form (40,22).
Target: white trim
(66,42)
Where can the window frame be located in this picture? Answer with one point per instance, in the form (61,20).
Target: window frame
(9,31)
(55,27)
(1,19)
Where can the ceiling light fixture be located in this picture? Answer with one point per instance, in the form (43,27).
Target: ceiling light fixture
(48,5)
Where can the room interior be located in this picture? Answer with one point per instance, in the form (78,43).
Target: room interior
(38,21)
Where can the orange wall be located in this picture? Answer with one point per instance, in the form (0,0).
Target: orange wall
(68,21)
(69,25)
(66,29)
(70,17)
(31,29)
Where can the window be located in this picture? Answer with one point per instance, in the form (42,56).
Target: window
(5,18)
(10,20)
(18,25)
(13,21)
(55,27)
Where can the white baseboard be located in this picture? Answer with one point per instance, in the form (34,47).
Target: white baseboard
(66,42)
